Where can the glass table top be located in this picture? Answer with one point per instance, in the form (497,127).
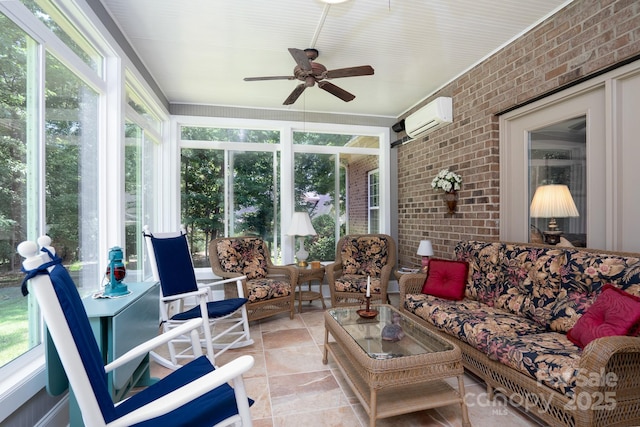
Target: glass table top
(370,334)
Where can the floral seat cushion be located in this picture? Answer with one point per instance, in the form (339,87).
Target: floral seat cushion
(468,320)
(549,358)
(356,283)
(264,288)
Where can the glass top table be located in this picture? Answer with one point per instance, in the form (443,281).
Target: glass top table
(401,374)
(368,333)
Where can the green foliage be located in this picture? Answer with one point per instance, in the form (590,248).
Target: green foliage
(323,246)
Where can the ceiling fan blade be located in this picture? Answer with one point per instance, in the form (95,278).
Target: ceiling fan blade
(295,94)
(337,91)
(364,70)
(301,58)
(255,79)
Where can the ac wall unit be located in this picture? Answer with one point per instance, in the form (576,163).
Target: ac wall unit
(435,114)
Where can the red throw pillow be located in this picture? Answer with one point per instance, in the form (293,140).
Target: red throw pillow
(615,312)
(446,279)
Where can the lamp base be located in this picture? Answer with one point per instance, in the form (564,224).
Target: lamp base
(302,263)
(116,290)
(552,237)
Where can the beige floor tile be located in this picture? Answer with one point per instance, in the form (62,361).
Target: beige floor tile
(258,390)
(293,360)
(295,336)
(298,393)
(292,387)
(334,417)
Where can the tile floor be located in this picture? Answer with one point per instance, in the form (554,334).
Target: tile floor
(292,387)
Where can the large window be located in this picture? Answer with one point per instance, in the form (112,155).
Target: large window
(142,136)
(229,187)
(71,177)
(46,188)
(235,182)
(18,179)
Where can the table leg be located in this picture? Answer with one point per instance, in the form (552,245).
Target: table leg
(324,307)
(300,297)
(325,359)
(463,404)
(373,408)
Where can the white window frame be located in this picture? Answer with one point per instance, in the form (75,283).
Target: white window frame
(370,206)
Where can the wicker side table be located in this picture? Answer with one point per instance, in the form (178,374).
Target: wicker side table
(307,275)
(393,378)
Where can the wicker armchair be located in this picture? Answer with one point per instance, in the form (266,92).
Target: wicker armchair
(359,257)
(270,289)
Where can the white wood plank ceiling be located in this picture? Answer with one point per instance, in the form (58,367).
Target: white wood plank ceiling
(198,51)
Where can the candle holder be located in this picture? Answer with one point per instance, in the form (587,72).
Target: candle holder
(367,313)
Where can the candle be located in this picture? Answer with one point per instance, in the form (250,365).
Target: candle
(368,286)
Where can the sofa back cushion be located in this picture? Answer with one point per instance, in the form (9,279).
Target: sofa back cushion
(532,278)
(364,255)
(485,268)
(587,273)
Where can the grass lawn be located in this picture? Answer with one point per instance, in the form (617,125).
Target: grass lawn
(14,324)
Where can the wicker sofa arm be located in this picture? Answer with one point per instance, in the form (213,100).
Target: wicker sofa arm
(619,355)
(608,386)
(410,284)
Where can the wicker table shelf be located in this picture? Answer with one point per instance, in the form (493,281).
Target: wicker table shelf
(307,275)
(393,378)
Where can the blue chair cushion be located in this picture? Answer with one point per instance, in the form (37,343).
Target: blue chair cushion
(215,309)
(206,410)
(83,337)
(175,267)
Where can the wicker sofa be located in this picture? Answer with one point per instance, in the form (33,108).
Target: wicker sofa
(520,300)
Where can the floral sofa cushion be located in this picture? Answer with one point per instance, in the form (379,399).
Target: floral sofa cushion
(263,289)
(356,283)
(245,256)
(485,270)
(549,358)
(589,272)
(364,255)
(468,320)
(531,281)
(586,275)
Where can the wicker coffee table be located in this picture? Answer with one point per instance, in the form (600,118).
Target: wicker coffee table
(393,378)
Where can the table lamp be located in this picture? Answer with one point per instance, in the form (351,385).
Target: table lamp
(301,227)
(425,250)
(553,201)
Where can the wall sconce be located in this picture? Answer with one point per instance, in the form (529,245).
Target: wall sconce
(553,201)
(301,227)
(425,250)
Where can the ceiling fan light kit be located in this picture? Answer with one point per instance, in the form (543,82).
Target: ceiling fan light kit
(310,73)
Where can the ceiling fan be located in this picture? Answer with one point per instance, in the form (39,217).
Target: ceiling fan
(310,73)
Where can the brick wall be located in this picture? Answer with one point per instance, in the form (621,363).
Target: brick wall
(358,182)
(583,38)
